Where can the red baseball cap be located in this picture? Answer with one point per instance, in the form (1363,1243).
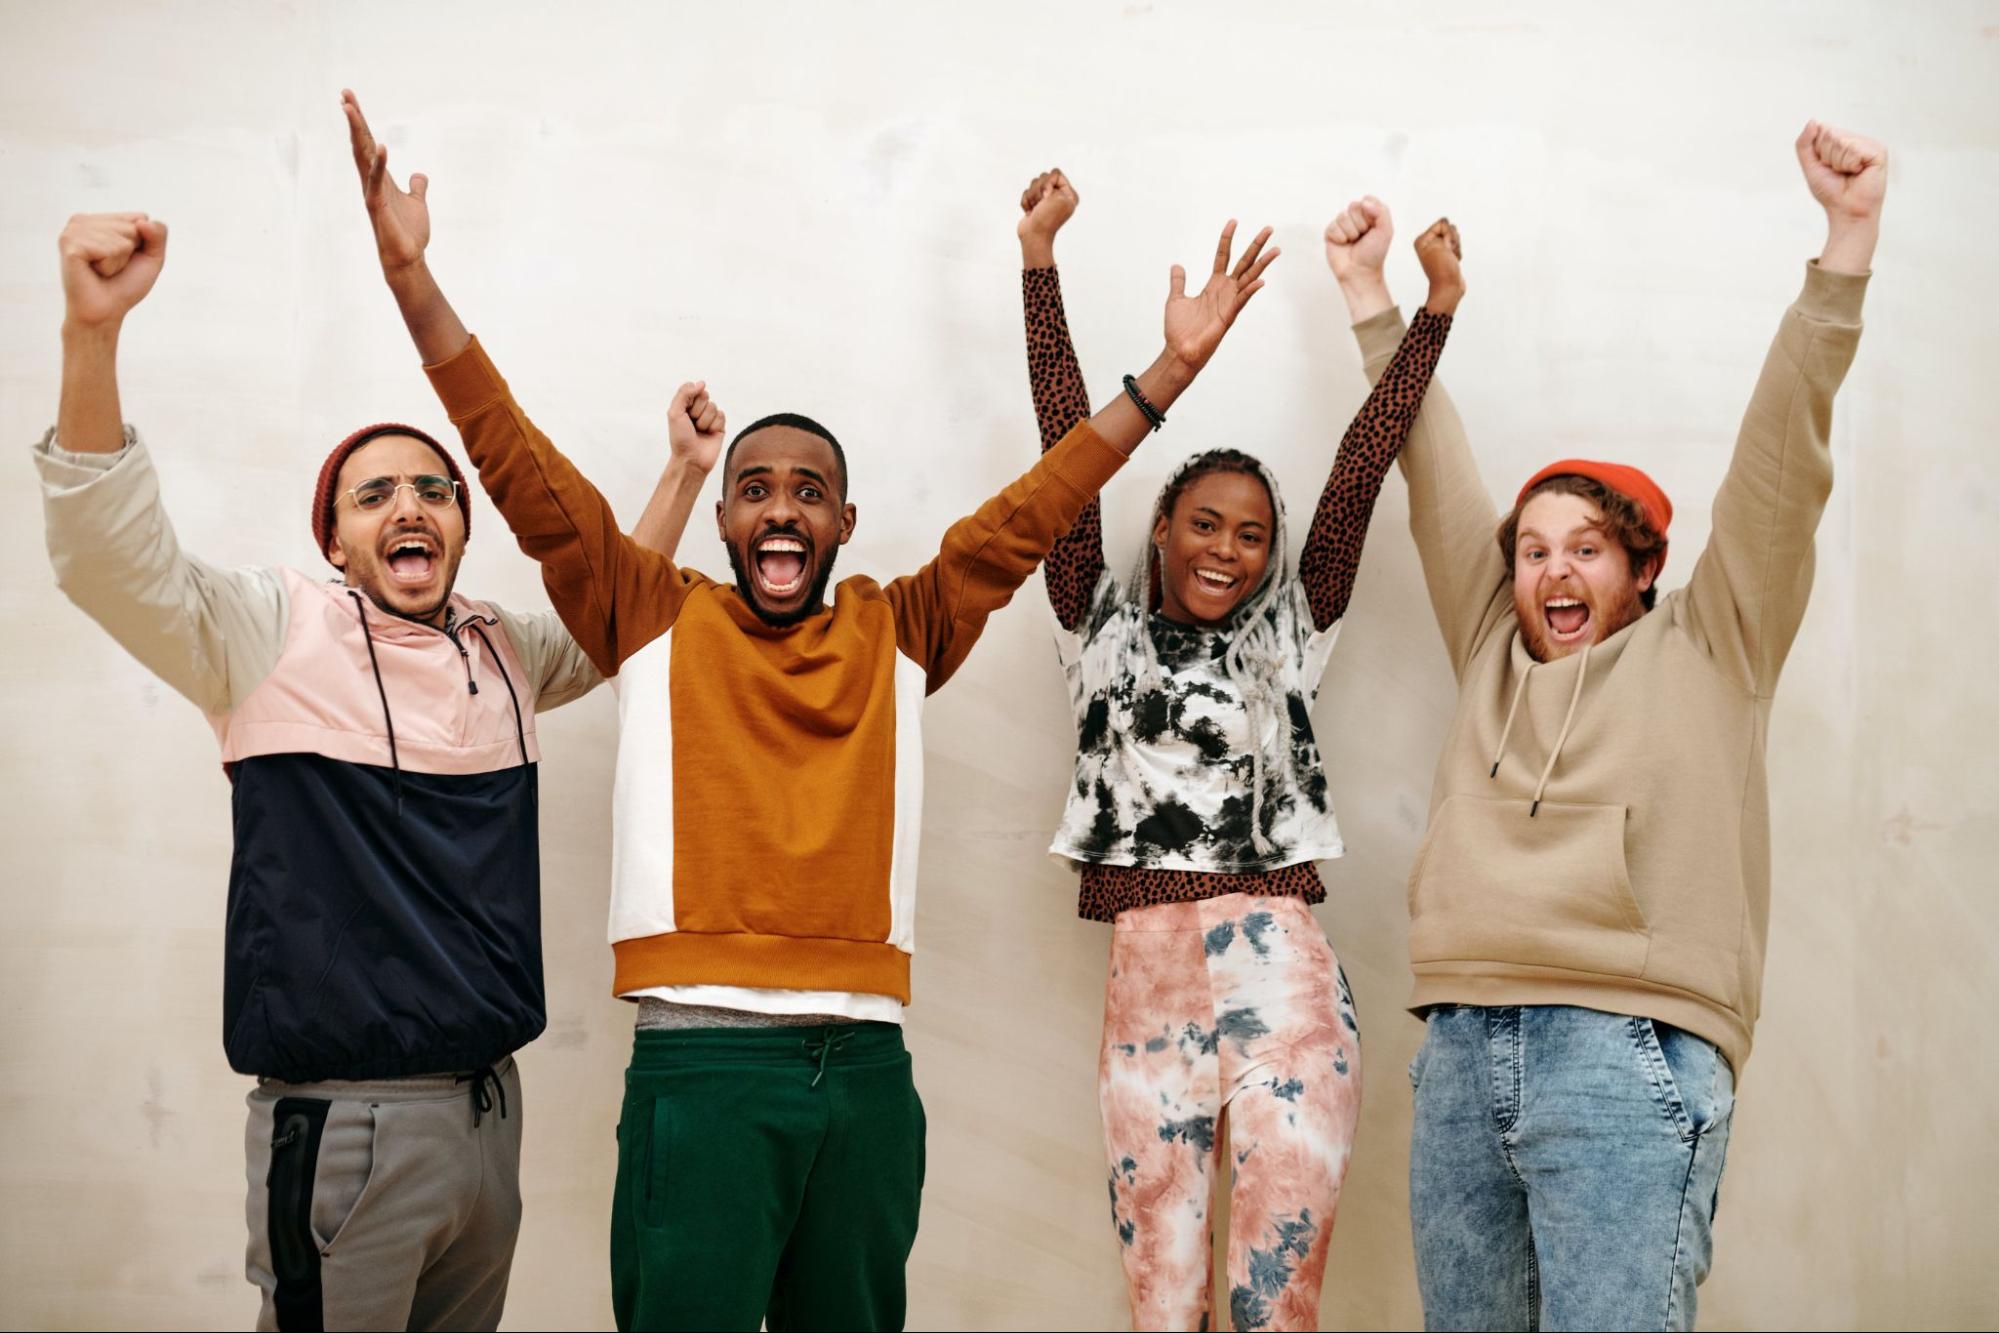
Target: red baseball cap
(323,495)
(1620,477)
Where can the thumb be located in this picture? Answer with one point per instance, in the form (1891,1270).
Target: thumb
(1179,283)
(419,185)
(681,398)
(153,238)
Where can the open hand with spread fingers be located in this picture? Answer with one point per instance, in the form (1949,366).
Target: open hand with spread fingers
(1196,324)
(401,218)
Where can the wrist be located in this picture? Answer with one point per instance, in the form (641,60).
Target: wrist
(1849,243)
(1167,378)
(1037,251)
(1366,293)
(1443,298)
(408,277)
(80,335)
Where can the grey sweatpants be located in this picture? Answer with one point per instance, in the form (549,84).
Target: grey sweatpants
(384,1205)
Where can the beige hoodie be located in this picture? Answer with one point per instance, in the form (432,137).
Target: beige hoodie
(1640,883)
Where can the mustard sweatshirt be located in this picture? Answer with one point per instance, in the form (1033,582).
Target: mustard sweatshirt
(1640,884)
(769,794)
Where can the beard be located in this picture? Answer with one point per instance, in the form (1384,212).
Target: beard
(747,587)
(1605,621)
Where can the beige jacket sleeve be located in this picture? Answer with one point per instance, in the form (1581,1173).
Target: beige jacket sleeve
(559,669)
(1451,515)
(212,634)
(1746,598)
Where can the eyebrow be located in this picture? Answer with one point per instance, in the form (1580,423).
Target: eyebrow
(766,470)
(1246,523)
(1584,530)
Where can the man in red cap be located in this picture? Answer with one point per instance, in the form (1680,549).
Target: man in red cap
(382,955)
(1590,904)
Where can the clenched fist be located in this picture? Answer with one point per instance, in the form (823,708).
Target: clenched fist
(1357,239)
(1439,251)
(109,262)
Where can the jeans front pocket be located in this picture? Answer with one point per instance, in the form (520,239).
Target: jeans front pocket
(1689,1078)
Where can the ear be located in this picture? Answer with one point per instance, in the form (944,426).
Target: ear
(335,554)
(1647,575)
(848,516)
(1159,531)
(720,531)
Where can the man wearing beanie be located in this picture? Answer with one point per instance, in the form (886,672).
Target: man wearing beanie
(382,951)
(1590,904)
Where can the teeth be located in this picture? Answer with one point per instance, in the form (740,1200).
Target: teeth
(782,544)
(1213,579)
(1553,603)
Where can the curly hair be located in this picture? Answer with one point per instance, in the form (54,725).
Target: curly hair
(1623,522)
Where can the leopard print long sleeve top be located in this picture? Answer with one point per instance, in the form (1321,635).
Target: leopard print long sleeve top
(1326,567)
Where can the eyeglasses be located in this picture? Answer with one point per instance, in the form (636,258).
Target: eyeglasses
(436,492)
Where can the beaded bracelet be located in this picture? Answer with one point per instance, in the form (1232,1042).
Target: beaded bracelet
(1146,409)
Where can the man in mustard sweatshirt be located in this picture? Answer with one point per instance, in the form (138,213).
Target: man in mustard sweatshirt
(768,797)
(1590,906)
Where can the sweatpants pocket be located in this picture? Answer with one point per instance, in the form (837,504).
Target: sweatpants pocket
(657,1160)
(297,1125)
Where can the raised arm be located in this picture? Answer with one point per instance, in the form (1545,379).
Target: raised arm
(695,428)
(614,594)
(1451,515)
(1331,557)
(1746,597)
(1076,561)
(942,608)
(209,633)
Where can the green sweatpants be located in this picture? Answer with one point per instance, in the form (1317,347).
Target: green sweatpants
(766,1176)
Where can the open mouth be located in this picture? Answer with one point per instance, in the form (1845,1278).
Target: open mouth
(779,564)
(1216,583)
(411,560)
(1568,619)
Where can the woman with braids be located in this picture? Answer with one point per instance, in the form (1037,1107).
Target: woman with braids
(1197,811)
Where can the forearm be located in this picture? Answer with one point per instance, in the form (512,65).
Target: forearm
(1331,557)
(1366,295)
(1849,245)
(434,326)
(664,521)
(1119,422)
(88,417)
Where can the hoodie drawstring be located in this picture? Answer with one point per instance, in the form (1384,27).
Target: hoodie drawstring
(1561,737)
(368,638)
(1511,713)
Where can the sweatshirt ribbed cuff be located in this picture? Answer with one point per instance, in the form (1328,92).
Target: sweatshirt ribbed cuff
(1832,298)
(1084,460)
(466,382)
(1379,335)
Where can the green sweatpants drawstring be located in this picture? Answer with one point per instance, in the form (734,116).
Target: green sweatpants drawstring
(821,1048)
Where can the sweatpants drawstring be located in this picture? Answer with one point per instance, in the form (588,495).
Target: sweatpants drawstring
(483,1100)
(821,1048)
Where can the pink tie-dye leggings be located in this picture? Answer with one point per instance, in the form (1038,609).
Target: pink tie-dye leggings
(1233,1004)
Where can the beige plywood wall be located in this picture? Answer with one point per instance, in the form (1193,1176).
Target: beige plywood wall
(812,207)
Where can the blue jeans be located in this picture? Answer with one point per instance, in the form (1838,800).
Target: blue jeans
(1564,1168)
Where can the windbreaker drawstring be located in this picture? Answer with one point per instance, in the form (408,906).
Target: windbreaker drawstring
(387,720)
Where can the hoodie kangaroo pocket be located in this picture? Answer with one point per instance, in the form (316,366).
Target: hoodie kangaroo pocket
(1494,884)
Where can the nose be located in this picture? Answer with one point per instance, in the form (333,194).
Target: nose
(780,511)
(1224,547)
(403,507)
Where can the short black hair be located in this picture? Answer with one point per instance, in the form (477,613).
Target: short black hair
(797,421)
